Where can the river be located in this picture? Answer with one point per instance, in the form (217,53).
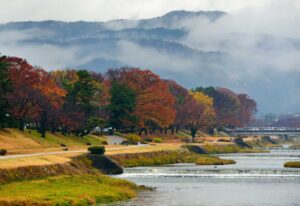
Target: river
(256,179)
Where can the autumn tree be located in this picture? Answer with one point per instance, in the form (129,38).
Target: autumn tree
(154,102)
(199,113)
(182,97)
(86,98)
(246,111)
(5,87)
(226,104)
(50,101)
(34,93)
(25,82)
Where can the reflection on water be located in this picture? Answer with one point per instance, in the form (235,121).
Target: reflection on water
(256,179)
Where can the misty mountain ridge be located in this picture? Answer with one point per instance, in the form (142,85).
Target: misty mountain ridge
(193,47)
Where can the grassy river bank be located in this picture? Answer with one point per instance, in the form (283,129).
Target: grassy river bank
(82,180)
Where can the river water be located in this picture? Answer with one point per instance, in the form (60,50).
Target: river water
(256,179)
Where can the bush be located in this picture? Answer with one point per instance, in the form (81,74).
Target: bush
(292,164)
(157,140)
(97,150)
(3,152)
(88,143)
(104,142)
(133,138)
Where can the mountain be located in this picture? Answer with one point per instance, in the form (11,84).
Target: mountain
(196,48)
(102,40)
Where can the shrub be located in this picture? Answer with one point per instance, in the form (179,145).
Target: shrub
(292,164)
(3,152)
(133,138)
(157,140)
(97,150)
(104,142)
(88,143)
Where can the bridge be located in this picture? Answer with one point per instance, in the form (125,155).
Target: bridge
(268,131)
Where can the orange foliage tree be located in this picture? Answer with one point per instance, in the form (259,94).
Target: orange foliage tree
(154,102)
(34,92)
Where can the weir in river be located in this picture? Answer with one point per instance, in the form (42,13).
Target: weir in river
(256,179)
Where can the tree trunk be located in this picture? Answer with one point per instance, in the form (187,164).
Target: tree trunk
(177,129)
(141,130)
(193,132)
(166,130)
(101,131)
(21,125)
(43,124)
(211,131)
(172,130)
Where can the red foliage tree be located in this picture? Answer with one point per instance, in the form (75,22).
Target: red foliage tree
(246,110)
(34,92)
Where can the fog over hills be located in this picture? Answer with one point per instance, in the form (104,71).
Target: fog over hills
(241,52)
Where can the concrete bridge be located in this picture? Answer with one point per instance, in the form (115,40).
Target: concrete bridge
(259,131)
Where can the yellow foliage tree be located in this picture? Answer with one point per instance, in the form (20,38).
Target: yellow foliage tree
(200,113)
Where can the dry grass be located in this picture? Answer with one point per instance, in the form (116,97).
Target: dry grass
(11,139)
(148,148)
(17,142)
(33,161)
(62,158)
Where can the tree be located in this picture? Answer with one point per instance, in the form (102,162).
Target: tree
(95,122)
(199,112)
(5,87)
(122,106)
(50,101)
(182,98)
(34,93)
(87,97)
(154,102)
(25,81)
(246,110)
(226,104)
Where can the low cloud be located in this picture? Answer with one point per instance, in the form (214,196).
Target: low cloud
(259,45)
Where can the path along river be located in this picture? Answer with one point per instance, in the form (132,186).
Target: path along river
(256,179)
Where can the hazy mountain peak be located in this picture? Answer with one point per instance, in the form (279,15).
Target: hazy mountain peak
(187,14)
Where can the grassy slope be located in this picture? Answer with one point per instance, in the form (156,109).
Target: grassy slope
(12,139)
(67,190)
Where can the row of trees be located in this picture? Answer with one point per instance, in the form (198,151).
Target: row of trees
(127,99)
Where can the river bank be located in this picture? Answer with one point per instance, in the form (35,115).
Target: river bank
(75,167)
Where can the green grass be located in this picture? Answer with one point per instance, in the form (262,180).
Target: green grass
(166,157)
(67,190)
(211,160)
(226,148)
(58,138)
(295,164)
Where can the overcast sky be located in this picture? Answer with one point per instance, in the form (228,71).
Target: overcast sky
(103,10)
